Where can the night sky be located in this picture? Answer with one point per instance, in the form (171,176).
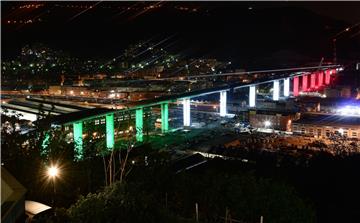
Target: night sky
(244,32)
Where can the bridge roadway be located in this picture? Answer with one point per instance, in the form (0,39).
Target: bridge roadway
(318,76)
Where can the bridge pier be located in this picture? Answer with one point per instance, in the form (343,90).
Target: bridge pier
(186,112)
(320,78)
(276,90)
(78,139)
(296,86)
(252,96)
(110,134)
(312,80)
(139,115)
(286,87)
(223,109)
(327,77)
(164,117)
(304,86)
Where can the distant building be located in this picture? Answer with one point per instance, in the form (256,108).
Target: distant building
(339,92)
(273,119)
(324,125)
(326,105)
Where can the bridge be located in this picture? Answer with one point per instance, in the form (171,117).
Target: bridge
(294,81)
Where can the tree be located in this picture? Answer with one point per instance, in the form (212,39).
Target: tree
(120,202)
(157,194)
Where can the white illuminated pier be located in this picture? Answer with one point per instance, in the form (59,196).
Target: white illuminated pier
(223,104)
(276,90)
(252,96)
(186,111)
(287,87)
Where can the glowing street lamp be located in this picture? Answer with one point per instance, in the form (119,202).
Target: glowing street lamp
(53,172)
(341,131)
(267,124)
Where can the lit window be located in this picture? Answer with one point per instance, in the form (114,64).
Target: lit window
(102,121)
(96,122)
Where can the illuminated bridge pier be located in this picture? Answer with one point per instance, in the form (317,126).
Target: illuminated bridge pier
(312,80)
(186,112)
(304,85)
(252,96)
(320,78)
(296,86)
(164,117)
(78,139)
(276,90)
(286,87)
(139,123)
(110,133)
(223,101)
(114,125)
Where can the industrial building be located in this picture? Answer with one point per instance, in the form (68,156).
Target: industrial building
(272,119)
(325,125)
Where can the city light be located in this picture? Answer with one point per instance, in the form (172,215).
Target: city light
(349,110)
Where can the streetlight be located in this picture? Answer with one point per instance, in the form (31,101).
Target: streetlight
(341,131)
(53,173)
(267,124)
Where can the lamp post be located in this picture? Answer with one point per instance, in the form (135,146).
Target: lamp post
(267,124)
(53,173)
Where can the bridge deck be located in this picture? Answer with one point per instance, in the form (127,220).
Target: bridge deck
(98,112)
